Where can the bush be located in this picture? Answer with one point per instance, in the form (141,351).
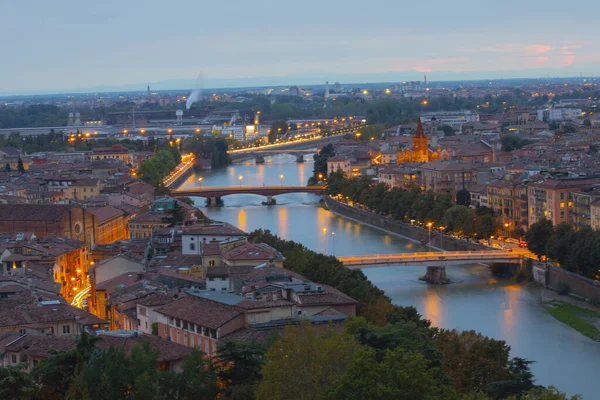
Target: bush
(563,289)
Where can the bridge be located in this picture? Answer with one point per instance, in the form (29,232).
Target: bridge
(437,258)
(214,193)
(298,148)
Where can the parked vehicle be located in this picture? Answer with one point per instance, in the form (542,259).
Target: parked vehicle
(522,244)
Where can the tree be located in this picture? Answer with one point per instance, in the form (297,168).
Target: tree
(7,167)
(472,360)
(447,129)
(400,375)
(175,216)
(520,380)
(241,364)
(538,236)
(512,142)
(16,384)
(463,197)
(305,362)
(20,165)
(278,128)
(587,122)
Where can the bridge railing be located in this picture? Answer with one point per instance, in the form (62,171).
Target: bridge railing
(430,256)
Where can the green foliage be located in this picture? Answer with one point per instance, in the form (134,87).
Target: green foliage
(304,363)
(371,132)
(214,149)
(463,197)
(512,142)
(7,167)
(157,167)
(20,166)
(175,216)
(242,373)
(16,384)
(447,129)
(538,236)
(320,165)
(400,374)
(580,319)
(278,128)
(472,360)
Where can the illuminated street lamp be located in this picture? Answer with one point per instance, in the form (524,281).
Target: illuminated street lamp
(197,130)
(358,135)
(142,131)
(281,180)
(320,177)
(200,179)
(240,179)
(506,225)
(429,225)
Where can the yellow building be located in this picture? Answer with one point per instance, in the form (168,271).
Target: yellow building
(84,189)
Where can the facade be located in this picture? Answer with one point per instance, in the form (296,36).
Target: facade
(110,224)
(509,202)
(195,236)
(445,176)
(115,152)
(84,189)
(339,163)
(455,119)
(581,213)
(43,220)
(551,199)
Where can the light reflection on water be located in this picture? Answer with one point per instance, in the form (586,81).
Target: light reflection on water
(477,301)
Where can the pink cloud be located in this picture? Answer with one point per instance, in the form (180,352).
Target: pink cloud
(421,69)
(538,48)
(541,60)
(567,60)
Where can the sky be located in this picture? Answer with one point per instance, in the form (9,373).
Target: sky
(64,45)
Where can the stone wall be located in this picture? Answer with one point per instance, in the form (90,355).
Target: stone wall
(578,284)
(409,231)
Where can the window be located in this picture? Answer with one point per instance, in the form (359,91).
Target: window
(13,358)
(562,203)
(211,263)
(562,196)
(66,329)
(192,246)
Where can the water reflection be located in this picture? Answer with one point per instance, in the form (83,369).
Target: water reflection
(476,301)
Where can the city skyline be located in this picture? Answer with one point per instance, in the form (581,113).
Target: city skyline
(74,47)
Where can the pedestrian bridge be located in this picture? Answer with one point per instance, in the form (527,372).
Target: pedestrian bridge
(268,191)
(437,258)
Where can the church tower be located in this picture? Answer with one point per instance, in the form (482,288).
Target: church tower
(420,147)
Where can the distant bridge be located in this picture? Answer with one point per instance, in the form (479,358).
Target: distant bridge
(438,258)
(214,192)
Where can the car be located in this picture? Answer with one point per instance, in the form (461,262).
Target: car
(522,244)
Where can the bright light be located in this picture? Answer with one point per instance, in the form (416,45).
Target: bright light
(388,91)
(197,130)
(280,176)
(324,230)
(200,179)
(169,130)
(142,131)
(240,177)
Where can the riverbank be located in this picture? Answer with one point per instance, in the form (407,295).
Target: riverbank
(406,231)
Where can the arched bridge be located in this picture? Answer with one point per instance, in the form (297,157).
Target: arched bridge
(438,258)
(269,191)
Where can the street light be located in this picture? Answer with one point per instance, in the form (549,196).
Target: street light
(506,225)
(281,180)
(240,179)
(320,177)
(358,135)
(429,225)
(200,179)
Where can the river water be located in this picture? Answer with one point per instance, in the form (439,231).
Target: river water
(476,301)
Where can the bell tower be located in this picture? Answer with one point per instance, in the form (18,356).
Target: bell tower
(420,144)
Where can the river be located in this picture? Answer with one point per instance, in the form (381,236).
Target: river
(477,301)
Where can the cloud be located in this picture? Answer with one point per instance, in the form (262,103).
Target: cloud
(538,49)
(567,60)
(541,60)
(421,69)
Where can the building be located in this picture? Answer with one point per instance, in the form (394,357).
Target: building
(195,236)
(508,199)
(339,163)
(32,349)
(455,119)
(581,213)
(420,151)
(110,224)
(115,152)
(83,189)
(551,198)
(446,176)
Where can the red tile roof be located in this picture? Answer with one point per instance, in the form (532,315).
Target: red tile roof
(200,311)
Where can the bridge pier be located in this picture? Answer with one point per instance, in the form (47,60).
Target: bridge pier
(270,201)
(214,202)
(300,158)
(435,275)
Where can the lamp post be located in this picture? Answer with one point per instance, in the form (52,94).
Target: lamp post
(429,225)
(281,180)
(240,179)
(506,225)
(200,179)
